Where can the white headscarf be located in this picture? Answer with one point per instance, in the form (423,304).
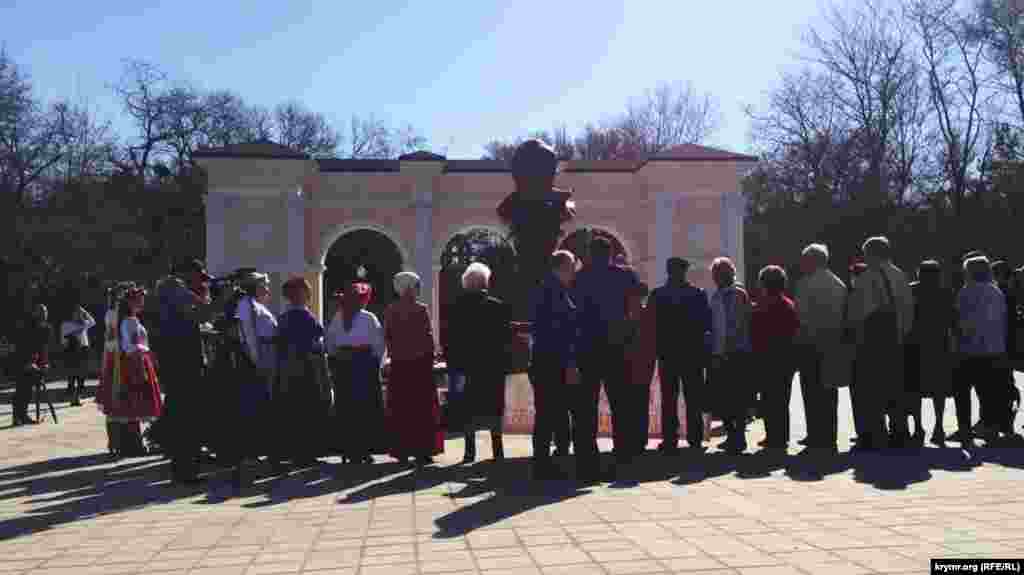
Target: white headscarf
(405,281)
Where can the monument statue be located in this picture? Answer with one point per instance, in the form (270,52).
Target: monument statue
(534,214)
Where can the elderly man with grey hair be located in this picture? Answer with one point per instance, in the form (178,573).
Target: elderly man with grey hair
(479,332)
(820,296)
(881,313)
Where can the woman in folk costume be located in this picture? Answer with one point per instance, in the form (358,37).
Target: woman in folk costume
(413,410)
(480,331)
(355,344)
(641,358)
(298,393)
(129,390)
(257,328)
(730,344)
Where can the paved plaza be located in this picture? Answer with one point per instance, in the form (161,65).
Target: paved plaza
(66,509)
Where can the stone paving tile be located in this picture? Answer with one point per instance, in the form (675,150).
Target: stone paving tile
(65,509)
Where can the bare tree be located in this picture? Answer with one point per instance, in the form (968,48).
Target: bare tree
(559,140)
(669,115)
(953,63)
(370,138)
(605,142)
(499,150)
(229,120)
(88,145)
(305,130)
(999,24)
(32,137)
(143,90)
(804,137)
(867,49)
(409,140)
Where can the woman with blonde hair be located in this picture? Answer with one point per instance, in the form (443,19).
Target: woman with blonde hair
(413,410)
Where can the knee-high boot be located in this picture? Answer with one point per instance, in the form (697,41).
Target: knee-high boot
(497,445)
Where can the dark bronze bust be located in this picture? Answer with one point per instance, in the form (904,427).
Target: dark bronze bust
(536,211)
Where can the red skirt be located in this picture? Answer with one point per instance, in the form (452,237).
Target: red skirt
(413,411)
(129,389)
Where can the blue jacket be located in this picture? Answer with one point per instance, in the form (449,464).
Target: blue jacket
(554,323)
(601,293)
(683,317)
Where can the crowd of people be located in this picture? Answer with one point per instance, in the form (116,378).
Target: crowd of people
(287,389)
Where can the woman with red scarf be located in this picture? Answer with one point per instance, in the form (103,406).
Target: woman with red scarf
(355,345)
(413,410)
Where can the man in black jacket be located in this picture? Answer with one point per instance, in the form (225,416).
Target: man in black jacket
(30,361)
(683,319)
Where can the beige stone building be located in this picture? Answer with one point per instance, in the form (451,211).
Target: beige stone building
(272,208)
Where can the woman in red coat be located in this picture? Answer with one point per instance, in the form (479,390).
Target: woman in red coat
(413,410)
(773,329)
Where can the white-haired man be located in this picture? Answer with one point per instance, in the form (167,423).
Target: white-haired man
(881,311)
(820,297)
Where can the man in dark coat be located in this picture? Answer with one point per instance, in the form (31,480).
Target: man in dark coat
(601,289)
(683,319)
(554,373)
(180,360)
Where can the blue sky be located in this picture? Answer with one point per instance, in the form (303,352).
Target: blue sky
(462,72)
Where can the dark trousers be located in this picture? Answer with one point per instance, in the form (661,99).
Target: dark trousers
(732,390)
(988,381)
(820,400)
(777,370)
(181,367)
(879,371)
(24,386)
(552,399)
(676,374)
(995,400)
(606,365)
(635,400)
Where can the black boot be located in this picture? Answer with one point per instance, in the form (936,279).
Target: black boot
(469,438)
(498,446)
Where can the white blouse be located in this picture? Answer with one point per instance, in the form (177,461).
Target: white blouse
(78,329)
(133,336)
(366,330)
(258,326)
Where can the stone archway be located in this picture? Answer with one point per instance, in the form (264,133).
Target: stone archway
(378,256)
